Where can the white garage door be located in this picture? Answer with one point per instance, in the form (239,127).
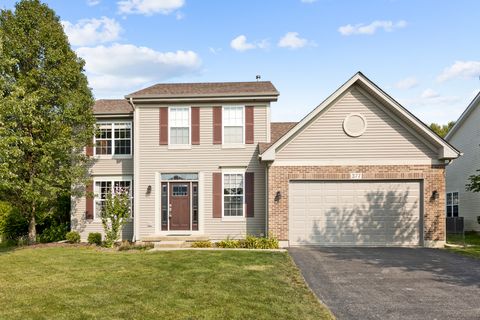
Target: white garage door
(354,213)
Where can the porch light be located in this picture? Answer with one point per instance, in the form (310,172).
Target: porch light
(434,195)
(149,189)
(278,196)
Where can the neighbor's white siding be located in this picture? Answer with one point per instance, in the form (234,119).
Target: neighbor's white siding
(325,142)
(205,158)
(467,140)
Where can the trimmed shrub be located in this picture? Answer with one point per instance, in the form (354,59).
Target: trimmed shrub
(56,232)
(73,237)
(95,238)
(250,242)
(202,244)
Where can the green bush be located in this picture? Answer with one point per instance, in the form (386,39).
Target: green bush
(250,242)
(127,245)
(73,237)
(13,225)
(55,232)
(202,244)
(229,243)
(95,238)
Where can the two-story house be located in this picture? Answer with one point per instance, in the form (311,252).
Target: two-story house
(204,159)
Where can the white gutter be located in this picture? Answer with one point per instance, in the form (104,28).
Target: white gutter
(136,184)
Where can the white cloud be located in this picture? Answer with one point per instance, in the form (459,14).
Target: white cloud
(293,41)
(92,31)
(240,43)
(121,68)
(429,94)
(149,7)
(407,83)
(92,3)
(215,51)
(369,29)
(308,1)
(461,69)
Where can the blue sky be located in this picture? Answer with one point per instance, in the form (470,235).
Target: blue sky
(426,54)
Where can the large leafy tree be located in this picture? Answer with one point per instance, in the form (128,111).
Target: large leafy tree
(442,130)
(45,111)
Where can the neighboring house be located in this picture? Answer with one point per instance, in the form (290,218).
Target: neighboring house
(465,135)
(358,170)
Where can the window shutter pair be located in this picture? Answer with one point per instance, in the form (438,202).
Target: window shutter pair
(218,194)
(194,127)
(217,125)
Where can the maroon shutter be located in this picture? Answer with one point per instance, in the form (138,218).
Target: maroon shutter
(89,149)
(89,201)
(217,125)
(217,194)
(163,126)
(195,125)
(249,194)
(249,125)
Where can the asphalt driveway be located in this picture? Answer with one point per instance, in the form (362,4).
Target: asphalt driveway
(392,283)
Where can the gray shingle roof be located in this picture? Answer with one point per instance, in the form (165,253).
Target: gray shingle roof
(112,106)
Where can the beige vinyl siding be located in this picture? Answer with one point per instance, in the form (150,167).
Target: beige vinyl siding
(78,222)
(102,166)
(467,140)
(205,158)
(325,140)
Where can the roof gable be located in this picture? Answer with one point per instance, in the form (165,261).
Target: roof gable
(458,124)
(446,150)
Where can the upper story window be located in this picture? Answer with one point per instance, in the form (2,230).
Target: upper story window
(452,204)
(233,125)
(179,123)
(113,138)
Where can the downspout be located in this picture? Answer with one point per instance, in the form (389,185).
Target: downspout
(134,233)
(267,192)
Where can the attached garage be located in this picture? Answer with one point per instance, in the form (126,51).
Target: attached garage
(355,213)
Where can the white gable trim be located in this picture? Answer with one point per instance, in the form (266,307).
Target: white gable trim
(475,103)
(446,150)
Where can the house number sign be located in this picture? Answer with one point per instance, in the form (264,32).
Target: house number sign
(356,175)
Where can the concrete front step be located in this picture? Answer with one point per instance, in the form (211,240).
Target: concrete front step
(186,238)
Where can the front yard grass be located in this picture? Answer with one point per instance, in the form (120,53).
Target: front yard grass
(87,283)
(471,245)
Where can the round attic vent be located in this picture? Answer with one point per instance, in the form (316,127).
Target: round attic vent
(354,124)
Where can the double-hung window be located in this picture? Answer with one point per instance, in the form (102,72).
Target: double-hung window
(452,204)
(233,124)
(233,194)
(179,122)
(106,186)
(113,138)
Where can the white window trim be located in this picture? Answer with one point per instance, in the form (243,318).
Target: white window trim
(180,146)
(233,171)
(458,204)
(111,179)
(113,155)
(233,145)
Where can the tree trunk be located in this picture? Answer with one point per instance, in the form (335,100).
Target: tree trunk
(32,231)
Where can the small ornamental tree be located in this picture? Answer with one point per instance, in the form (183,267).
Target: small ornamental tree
(473,184)
(115,212)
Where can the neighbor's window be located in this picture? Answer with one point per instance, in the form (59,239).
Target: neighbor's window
(104,187)
(179,118)
(113,138)
(233,194)
(233,125)
(452,204)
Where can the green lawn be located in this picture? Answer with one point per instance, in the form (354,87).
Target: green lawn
(472,244)
(86,283)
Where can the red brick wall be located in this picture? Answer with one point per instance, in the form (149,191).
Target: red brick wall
(433,177)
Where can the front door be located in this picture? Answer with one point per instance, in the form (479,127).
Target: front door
(179,206)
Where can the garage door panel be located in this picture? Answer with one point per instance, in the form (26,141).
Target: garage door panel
(354,213)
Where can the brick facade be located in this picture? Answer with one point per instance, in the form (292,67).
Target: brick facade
(432,176)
